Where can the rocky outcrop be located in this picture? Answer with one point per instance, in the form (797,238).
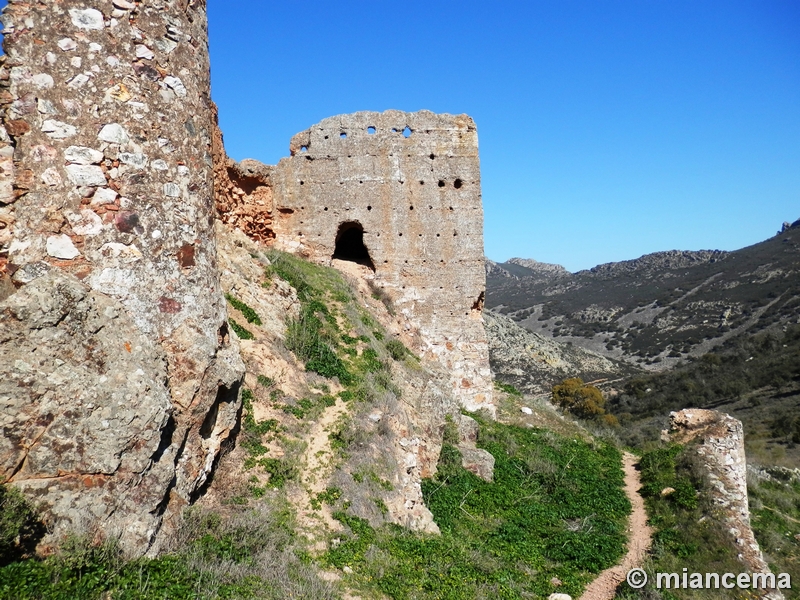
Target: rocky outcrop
(85,410)
(660,309)
(107,220)
(539,267)
(534,363)
(659,261)
(473,459)
(403,436)
(242,192)
(718,440)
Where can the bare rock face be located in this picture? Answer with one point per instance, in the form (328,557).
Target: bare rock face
(399,192)
(242,192)
(108,121)
(85,410)
(534,363)
(721,446)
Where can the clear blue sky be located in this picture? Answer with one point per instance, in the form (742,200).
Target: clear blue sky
(608,129)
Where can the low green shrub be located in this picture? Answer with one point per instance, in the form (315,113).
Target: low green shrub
(20,529)
(396,349)
(507,388)
(248,313)
(241,332)
(688,530)
(329,496)
(507,538)
(265,381)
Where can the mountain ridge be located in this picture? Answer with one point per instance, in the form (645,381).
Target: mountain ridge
(657,309)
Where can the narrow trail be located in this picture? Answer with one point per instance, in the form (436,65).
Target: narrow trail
(605,586)
(317,466)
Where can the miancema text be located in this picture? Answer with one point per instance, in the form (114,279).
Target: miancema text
(728,581)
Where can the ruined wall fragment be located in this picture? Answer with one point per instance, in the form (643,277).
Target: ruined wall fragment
(242,192)
(411,182)
(719,440)
(106,107)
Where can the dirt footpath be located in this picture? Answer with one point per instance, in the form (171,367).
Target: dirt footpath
(640,538)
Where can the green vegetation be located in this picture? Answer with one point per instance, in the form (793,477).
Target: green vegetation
(320,335)
(687,529)
(329,496)
(556,508)
(775,518)
(264,381)
(247,554)
(241,332)
(19,527)
(583,401)
(396,349)
(247,312)
(280,470)
(735,369)
(507,388)
(753,378)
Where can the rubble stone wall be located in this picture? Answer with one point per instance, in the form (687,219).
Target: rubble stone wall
(720,445)
(242,192)
(106,208)
(411,182)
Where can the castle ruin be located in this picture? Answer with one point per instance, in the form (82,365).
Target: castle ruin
(401,193)
(119,378)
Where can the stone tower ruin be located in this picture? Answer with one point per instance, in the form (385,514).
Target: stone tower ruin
(118,377)
(400,193)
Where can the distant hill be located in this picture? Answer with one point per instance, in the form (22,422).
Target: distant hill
(533,363)
(657,309)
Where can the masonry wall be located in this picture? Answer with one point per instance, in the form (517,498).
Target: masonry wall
(718,439)
(411,181)
(242,191)
(106,207)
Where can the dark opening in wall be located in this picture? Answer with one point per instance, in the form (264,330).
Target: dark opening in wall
(350,245)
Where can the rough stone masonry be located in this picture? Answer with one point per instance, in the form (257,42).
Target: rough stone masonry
(401,193)
(118,378)
(718,439)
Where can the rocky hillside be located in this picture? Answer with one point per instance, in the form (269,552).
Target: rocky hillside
(300,326)
(533,363)
(657,309)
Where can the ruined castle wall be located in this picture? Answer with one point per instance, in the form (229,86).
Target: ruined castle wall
(412,182)
(719,442)
(109,212)
(242,192)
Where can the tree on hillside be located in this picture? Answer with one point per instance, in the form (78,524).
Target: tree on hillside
(583,401)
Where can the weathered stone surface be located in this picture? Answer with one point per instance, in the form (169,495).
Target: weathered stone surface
(411,183)
(60,246)
(478,461)
(88,113)
(467,430)
(81,155)
(58,130)
(242,192)
(85,410)
(86,175)
(719,442)
(533,363)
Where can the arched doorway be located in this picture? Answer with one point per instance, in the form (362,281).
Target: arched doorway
(350,244)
